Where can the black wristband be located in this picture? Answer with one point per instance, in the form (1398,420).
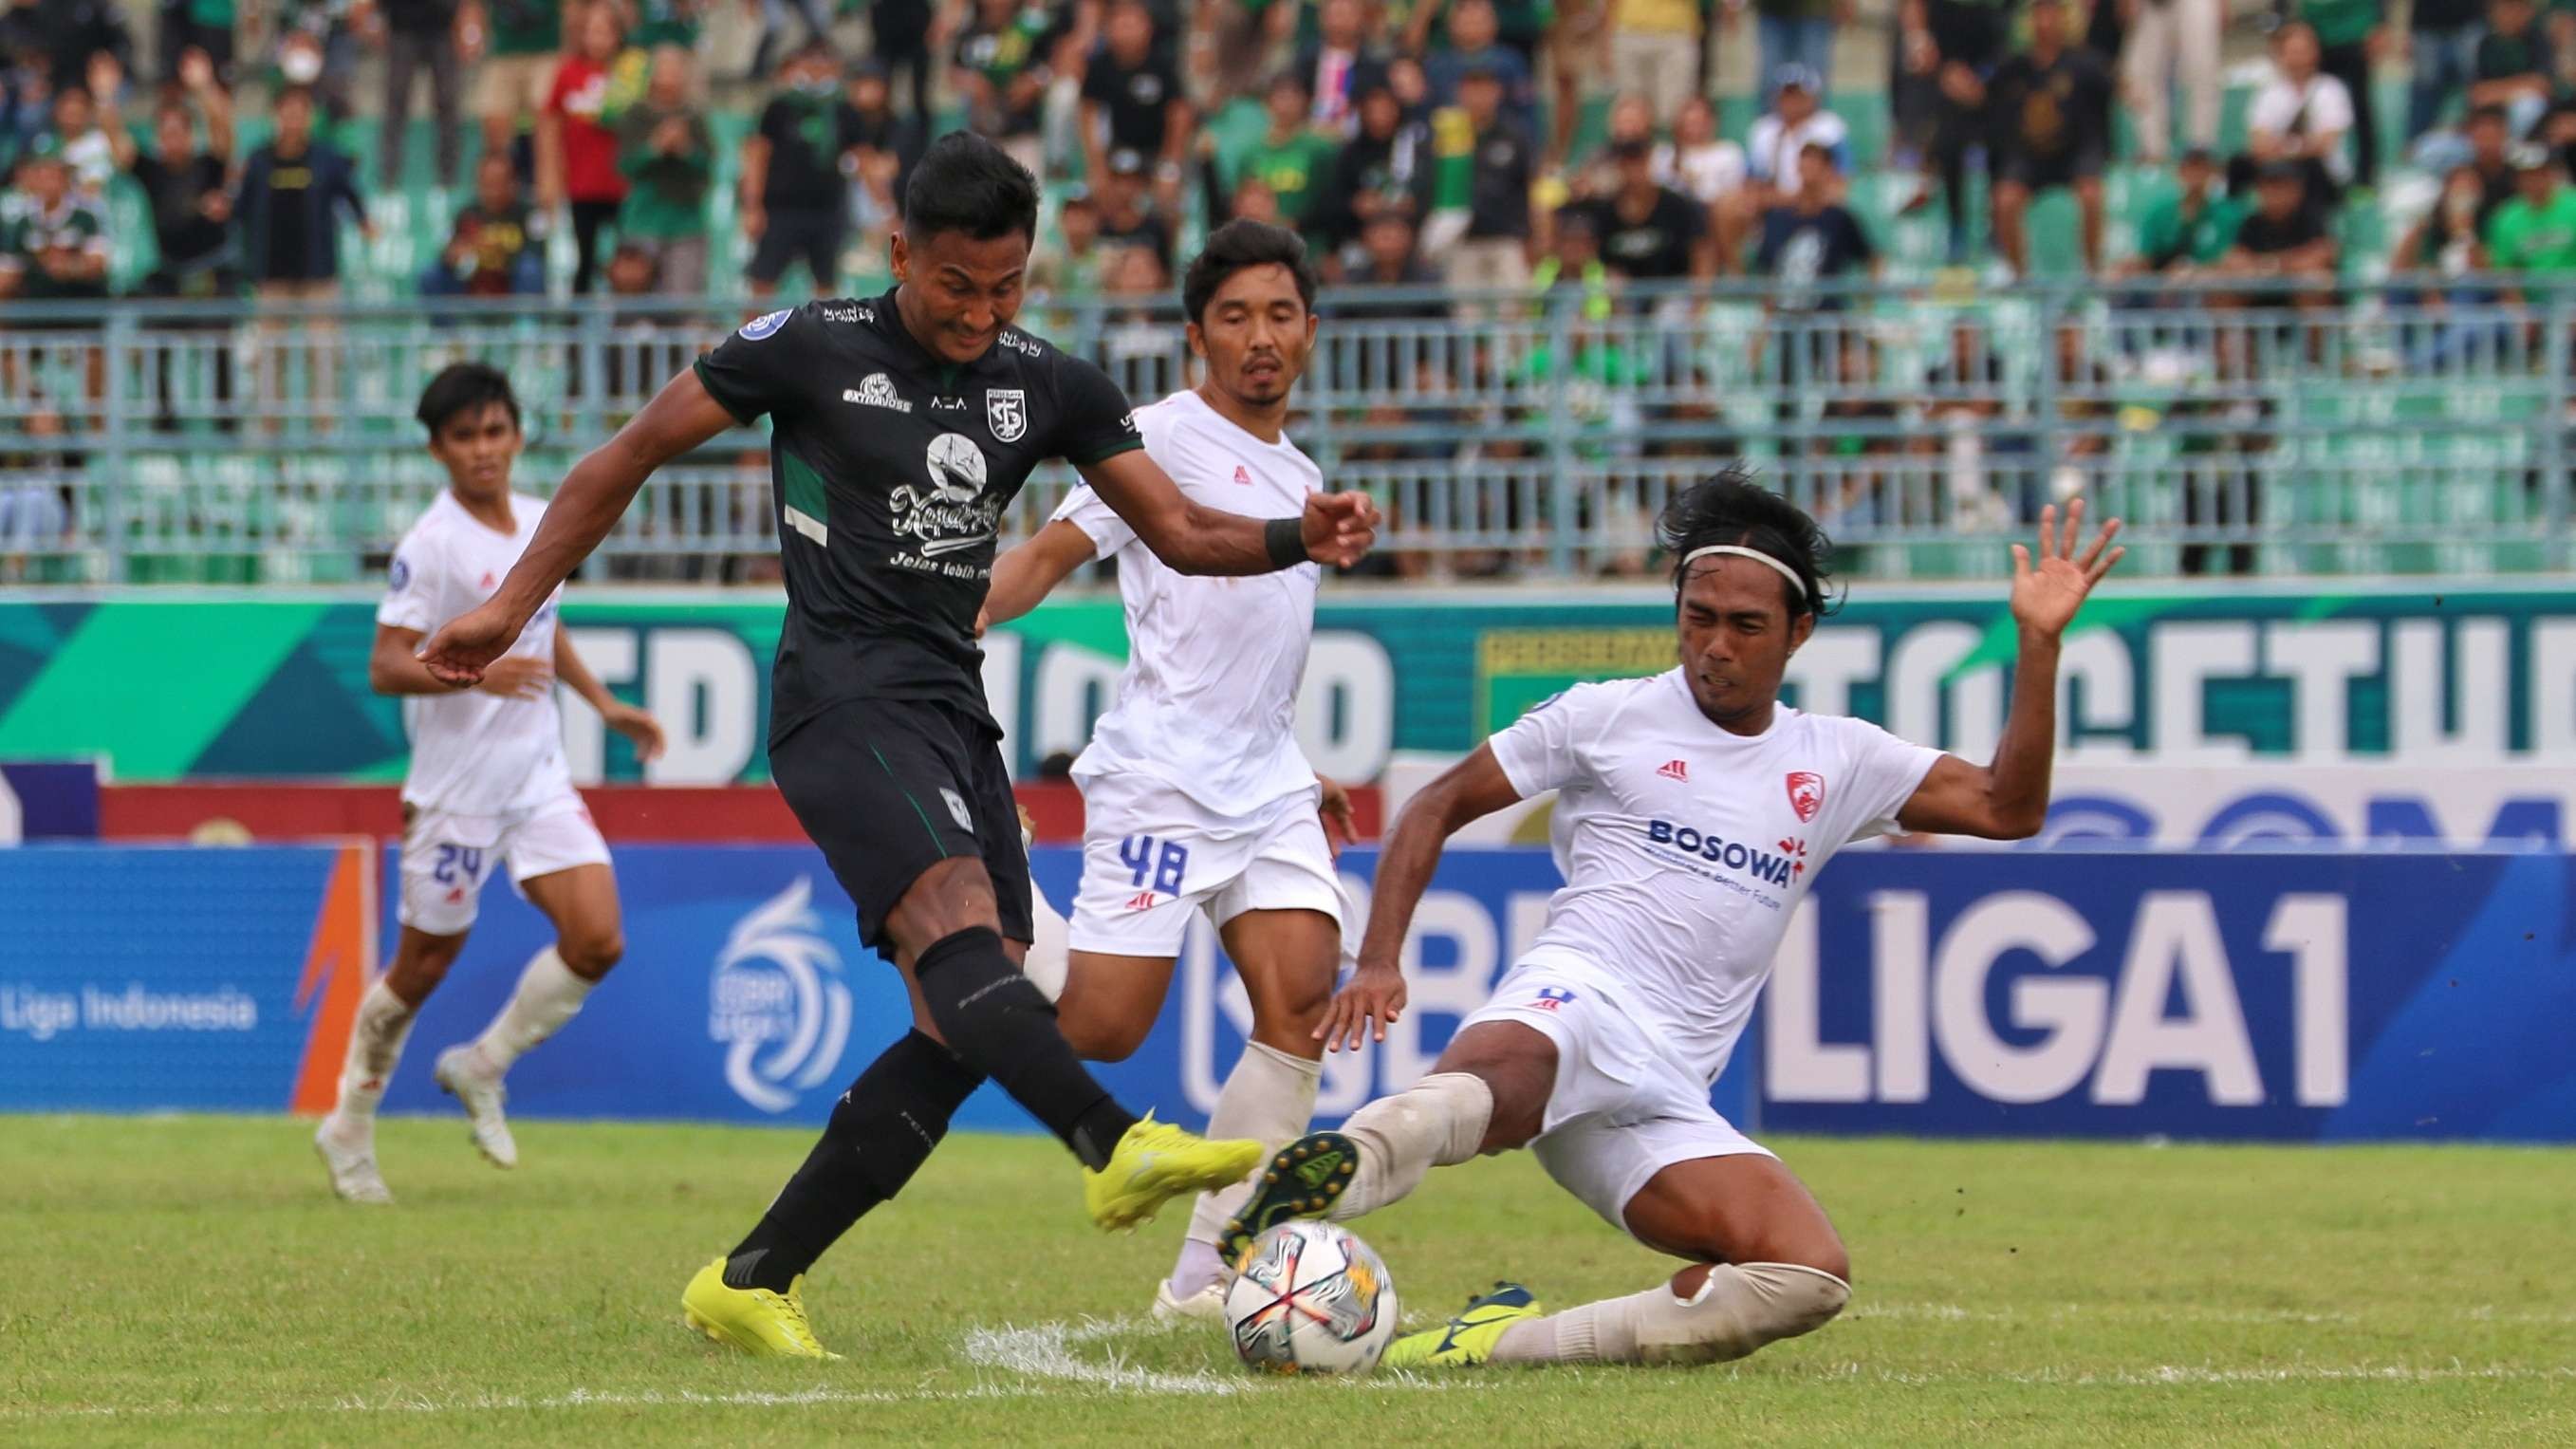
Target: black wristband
(1285,538)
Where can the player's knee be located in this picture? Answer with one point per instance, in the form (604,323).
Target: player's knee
(1291,1006)
(1100,1036)
(590,951)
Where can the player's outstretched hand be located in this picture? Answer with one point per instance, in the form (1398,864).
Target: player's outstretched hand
(1338,527)
(1367,1005)
(640,728)
(1335,807)
(518,676)
(2045,595)
(466,645)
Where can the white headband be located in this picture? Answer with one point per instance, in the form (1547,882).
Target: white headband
(1797,585)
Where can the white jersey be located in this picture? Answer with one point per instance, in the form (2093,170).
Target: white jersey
(474,753)
(1685,847)
(1208,704)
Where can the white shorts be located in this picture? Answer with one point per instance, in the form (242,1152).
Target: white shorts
(447,858)
(1621,1111)
(1151,856)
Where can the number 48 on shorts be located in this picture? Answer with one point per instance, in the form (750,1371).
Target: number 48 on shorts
(1156,865)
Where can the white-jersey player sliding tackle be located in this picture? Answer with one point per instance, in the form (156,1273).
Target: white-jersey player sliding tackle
(487,784)
(1195,796)
(1692,811)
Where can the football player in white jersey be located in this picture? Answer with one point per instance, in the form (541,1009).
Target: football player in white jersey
(1196,798)
(1692,812)
(487,784)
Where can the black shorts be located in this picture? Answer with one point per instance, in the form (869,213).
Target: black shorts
(2046,173)
(891,787)
(812,237)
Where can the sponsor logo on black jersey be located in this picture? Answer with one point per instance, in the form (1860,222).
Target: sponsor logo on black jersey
(875,391)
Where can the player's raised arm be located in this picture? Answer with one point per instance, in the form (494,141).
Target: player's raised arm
(2008,800)
(1030,570)
(1336,528)
(597,490)
(1473,788)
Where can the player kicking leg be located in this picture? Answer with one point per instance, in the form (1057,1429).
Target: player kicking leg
(1195,796)
(902,427)
(487,784)
(1691,807)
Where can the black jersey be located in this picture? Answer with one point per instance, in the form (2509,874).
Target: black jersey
(890,468)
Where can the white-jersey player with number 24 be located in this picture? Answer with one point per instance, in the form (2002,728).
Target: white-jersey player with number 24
(1195,796)
(1693,811)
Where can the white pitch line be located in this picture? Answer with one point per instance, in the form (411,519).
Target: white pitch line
(2168,1313)
(1045,1351)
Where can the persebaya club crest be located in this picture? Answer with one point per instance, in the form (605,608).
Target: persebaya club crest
(1006,411)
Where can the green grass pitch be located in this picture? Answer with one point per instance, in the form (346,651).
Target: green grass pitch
(191,1280)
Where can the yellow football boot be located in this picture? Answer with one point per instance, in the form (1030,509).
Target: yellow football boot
(1156,1162)
(755,1320)
(1468,1338)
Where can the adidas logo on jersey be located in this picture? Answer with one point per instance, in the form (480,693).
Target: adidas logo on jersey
(1675,770)
(874,391)
(1141,901)
(1242,476)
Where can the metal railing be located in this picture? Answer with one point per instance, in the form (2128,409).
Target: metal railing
(2408,427)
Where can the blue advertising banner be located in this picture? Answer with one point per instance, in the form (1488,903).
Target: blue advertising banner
(2284,996)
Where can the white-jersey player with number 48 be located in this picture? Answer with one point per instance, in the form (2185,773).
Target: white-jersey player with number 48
(1195,796)
(488,786)
(1693,811)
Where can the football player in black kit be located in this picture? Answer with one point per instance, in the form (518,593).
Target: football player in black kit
(902,427)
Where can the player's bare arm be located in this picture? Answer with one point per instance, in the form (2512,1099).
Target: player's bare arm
(637,725)
(2008,800)
(394,668)
(1335,529)
(1031,569)
(594,494)
(1373,999)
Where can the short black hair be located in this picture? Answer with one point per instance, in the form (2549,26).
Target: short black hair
(1731,508)
(464,387)
(1240,245)
(966,183)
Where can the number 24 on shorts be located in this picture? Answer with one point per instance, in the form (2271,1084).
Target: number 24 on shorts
(456,860)
(1164,862)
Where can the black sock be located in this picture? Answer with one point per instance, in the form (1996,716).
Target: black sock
(879,1135)
(999,1023)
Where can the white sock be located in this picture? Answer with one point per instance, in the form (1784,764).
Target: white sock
(375,1045)
(1737,1310)
(548,996)
(1437,1122)
(1050,957)
(1268,1097)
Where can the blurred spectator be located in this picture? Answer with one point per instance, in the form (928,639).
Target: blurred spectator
(2301,117)
(1965,399)
(668,156)
(1493,252)
(2442,56)
(2052,111)
(2190,227)
(26,96)
(2448,238)
(1859,432)
(2086,412)
(1656,50)
(1067,263)
(1649,232)
(192,213)
(576,141)
(817,18)
(881,155)
(2350,36)
(489,252)
(94,154)
(514,42)
(314,45)
(647,350)
(37,482)
(67,33)
(1132,101)
(1339,68)
(199,25)
(1812,238)
(666,22)
(1797,32)
(1242,41)
(1630,119)
(2484,143)
(53,240)
(1394,259)
(1295,161)
(1002,72)
(2285,239)
(900,31)
(2174,44)
(2516,65)
(1710,170)
(418,36)
(1138,346)
(1944,50)
(292,196)
(1795,121)
(1386,160)
(1253,200)
(1577,43)
(1126,219)
(794,202)
(2534,235)
(1473,45)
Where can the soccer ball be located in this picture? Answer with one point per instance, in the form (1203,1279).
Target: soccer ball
(1311,1299)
